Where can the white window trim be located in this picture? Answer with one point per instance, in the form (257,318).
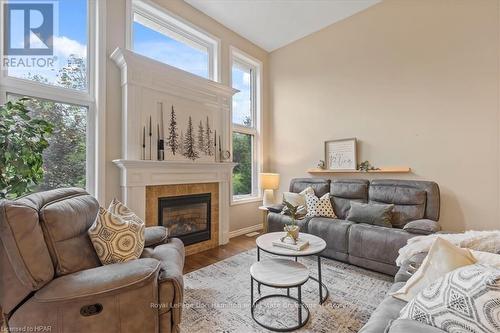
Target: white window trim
(236,55)
(175,27)
(93,99)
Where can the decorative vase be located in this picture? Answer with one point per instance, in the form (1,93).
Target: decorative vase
(292,232)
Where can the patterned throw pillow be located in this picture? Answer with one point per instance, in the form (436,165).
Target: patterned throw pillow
(319,206)
(116,239)
(464,300)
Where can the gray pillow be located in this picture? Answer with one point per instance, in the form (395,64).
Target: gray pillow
(422,227)
(370,213)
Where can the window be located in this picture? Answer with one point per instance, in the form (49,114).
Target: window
(165,38)
(62,91)
(64,161)
(246,130)
(69,56)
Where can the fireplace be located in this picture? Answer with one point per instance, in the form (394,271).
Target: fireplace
(187,217)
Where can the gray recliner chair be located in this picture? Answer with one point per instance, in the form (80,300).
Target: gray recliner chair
(51,277)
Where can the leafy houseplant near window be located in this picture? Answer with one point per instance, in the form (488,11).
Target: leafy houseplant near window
(292,230)
(23,140)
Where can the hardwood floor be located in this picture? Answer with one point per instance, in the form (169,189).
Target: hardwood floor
(236,245)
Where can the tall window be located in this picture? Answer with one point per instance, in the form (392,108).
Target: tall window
(165,38)
(59,83)
(246,108)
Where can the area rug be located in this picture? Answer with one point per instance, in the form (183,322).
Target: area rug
(217,298)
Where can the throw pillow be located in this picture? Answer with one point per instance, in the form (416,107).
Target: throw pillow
(120,210)
(297,200)
(486,258)
(116,239)
(464,300)
(319,206)
(370,213)
(443,257)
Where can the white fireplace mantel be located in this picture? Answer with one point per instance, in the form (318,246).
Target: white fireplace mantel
(137,174)
(147,83)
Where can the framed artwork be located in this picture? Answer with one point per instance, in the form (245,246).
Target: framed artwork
(341,154)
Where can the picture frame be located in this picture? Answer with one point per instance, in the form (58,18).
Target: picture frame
(341,154)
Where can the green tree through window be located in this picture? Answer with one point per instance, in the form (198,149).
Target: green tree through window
(242,173)
(64,161)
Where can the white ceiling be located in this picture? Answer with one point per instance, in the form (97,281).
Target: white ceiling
(272,24)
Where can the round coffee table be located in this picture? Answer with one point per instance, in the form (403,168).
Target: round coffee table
(315,247)
(280,273)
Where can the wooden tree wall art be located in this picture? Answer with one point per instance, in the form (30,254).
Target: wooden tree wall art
(187,136)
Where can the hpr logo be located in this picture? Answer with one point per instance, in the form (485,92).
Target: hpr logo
(28,29)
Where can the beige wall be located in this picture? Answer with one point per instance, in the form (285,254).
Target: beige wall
(416,81)
(241,215)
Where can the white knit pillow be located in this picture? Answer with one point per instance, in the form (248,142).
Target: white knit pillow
(319,206)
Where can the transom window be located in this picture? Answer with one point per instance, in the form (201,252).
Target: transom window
(161,36)
(246,130)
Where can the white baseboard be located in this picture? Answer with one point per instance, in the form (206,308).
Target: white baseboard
(246,230)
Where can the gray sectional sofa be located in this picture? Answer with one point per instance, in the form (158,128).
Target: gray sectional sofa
(385,318)
(416,212)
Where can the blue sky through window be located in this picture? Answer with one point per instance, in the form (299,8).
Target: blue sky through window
(242,111)
(162,48)
(70,38)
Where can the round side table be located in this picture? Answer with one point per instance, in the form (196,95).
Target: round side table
(316,246)
(282,274)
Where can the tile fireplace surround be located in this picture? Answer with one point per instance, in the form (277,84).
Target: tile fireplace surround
(146,82)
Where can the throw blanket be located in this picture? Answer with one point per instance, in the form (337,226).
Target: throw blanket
(486,241)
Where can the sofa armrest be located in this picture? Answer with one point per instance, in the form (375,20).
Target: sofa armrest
(422,227)
(275,208)
(106,279)
(155,236)
(171,284)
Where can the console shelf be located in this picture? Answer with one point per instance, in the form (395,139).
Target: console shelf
(382,170)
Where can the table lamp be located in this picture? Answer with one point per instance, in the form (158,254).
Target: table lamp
(269,182)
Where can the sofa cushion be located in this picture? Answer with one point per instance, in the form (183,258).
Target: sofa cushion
(65,222)
(422,227)
(409,203)
(344,191)
(320,186)
(431,189)
(377,243)
(333,231)
(376,214)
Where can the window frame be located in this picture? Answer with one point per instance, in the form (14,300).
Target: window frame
(241,58)
(176,28)
(93,98)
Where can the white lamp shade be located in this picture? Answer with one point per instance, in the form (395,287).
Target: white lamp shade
(269,181)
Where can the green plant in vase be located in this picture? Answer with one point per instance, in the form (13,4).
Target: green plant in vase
(292,229)
(23,140)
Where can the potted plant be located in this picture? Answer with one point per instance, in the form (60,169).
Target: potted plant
(23,140)
(292,229)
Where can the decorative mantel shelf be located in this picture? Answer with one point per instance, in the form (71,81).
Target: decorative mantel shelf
(382,170)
